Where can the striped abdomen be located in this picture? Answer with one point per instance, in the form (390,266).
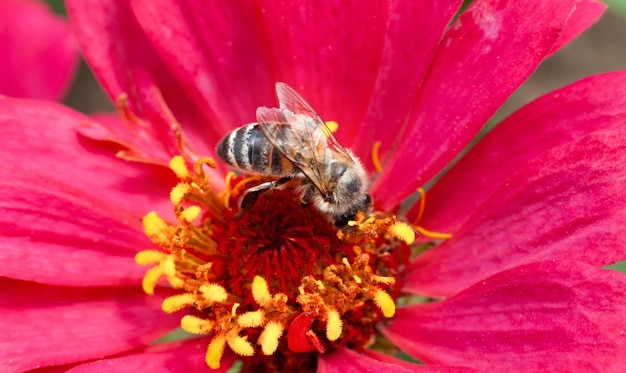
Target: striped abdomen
(248,149)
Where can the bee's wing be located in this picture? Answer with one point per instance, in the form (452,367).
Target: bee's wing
(291,100)
(298,139)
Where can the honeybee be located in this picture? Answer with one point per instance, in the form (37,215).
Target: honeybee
(293,144)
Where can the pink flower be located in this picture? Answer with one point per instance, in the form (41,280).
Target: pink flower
(39,53)
(534,210)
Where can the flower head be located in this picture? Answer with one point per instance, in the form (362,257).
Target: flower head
(505,272)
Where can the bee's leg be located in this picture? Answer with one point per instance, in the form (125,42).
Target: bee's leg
(252,194)
(307,196)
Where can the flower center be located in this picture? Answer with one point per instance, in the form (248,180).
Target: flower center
(277,283)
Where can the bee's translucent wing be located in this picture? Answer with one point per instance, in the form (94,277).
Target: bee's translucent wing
(298,140)
(291,100)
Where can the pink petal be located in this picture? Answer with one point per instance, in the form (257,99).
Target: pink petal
(329,51)
(43,137)
(556,316)
(226,65)
(123,59)
(491,49)
(417,367)
(45,325)
(39,53)
(587,12)
(55,233)
(344,360)
(567,204)
(69,203)
(186,356)
(594,103)
(405,62)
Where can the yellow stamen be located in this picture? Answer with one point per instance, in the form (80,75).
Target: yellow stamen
(177,302)
(402,231)
(196,325)
(422,200)
(214,293)
(178,165)
(215,351)
(260,291)
(385,303)
(383,279)
(269,338)
(420,213)
(150,279)
(334,325)
(156,229)
(428,233)
(240,345)
(191,213)
(148,257)
(375,158)
(251,319)
(178,193)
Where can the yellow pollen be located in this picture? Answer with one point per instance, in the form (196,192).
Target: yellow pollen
(213,293)
(215,351)
(178,165)
(375,158)
(332,126)
(196,325)
(260,291)
(402,231)
(156,229)
(148,257)
(177,302)
(269,338)
(251,319)
(233,310)
(334,325)
(385,302)
(240,345)
(191,213)
(179,192)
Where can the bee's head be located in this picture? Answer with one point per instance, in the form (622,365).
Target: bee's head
(347,192)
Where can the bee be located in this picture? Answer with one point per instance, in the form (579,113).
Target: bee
(294,145)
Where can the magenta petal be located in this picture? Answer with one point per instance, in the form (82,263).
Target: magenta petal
(39,53)
(417,367)
(345,360)
(594,103)
(43,137)
(123,59)
(226,65)
(569,203)
(491,49)
(404,64)
(186,356)
(556,316)
(329,51)
(54,233)
(45,325)
(587,12)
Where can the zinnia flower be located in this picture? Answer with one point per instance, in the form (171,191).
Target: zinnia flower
(507,276)
(39,52)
